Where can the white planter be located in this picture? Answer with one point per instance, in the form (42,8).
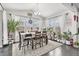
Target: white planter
(58,40)
(55,39)
(12,35)
(16,36)
(63,41)
(67,42)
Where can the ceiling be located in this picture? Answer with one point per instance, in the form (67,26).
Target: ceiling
(45,9)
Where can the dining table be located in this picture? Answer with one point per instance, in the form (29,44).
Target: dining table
(33,36)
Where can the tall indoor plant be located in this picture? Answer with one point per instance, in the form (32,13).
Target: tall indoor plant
(12,24)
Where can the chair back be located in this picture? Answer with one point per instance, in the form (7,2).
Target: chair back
(44,33)
(37,34)
(28,35)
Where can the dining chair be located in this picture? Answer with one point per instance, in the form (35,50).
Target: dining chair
(20,43)
(27,40)
(44,38)
(37,39)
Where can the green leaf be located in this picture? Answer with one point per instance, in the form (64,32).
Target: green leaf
(76,33)
(12,25)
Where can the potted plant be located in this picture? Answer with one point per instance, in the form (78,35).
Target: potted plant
(66,37)
(50,32)
(77,35)
(76,44)
(12,24)
(59,36)
(44,29)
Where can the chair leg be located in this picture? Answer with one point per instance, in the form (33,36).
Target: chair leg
(27,43)
(42,41)
(19,46)
(46,41)
(32,44)
(36,45)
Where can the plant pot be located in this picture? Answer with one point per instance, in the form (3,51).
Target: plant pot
(58,40)
(67,42)
(55,39)
(12,36)
(63,41)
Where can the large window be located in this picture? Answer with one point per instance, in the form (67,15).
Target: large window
(29,22)
(57,23)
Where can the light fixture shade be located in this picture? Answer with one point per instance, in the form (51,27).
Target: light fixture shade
(36,13)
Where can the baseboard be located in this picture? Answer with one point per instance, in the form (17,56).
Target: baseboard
(8,44)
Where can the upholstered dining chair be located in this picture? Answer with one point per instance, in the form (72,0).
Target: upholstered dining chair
(26,40)
(20,43)
(37,39)
(44,38)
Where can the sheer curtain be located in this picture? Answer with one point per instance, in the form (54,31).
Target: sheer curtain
(24,22)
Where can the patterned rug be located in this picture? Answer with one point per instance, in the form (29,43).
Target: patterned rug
(36,52)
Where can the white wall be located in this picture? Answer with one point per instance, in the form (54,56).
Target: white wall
(5,32)
(0,29)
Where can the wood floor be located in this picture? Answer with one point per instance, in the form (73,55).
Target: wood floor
(63,50)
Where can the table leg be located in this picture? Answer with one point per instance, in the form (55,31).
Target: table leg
(46,41)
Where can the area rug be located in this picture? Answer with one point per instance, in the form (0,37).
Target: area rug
(36,52)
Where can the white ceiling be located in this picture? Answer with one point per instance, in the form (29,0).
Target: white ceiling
(45,9)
